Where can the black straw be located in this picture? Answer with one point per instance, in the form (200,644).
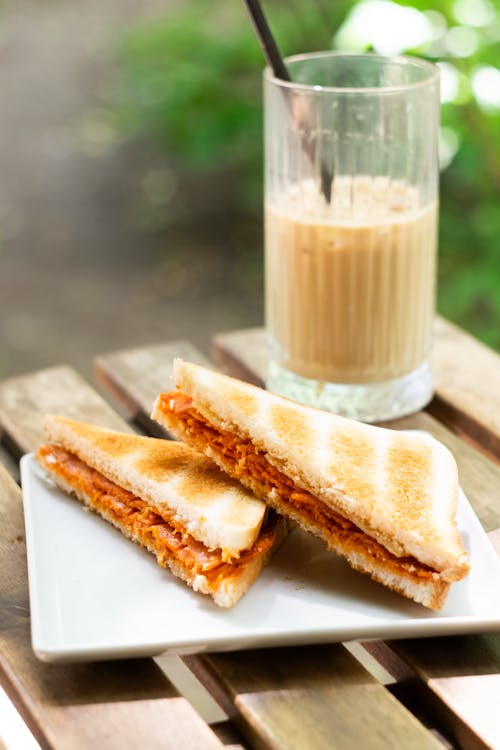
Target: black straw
(277,65)
(267,41)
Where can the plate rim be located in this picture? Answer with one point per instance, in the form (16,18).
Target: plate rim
(430,625)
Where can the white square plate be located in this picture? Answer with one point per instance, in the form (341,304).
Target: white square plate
(95,595)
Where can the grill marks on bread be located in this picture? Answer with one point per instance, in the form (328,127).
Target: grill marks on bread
(170,476)
(241,459)
(357,464)
(352,461)
(417,518)
(162,467)
(245,402)
(288,425)
(160,534)
(409,474)
(194,475)
(349,458)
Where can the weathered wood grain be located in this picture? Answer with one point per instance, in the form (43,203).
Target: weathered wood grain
(243,354)
(25,399)
(66,705)
(461,685)
(121,705)
(311,697)
(467,394)
(270,660)
(458,682)
(462,676)
(247,687)
(23,402)
(457,685)
(467,375)
(9,463)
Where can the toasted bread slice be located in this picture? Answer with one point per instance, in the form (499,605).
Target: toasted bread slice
(168,498)
(384,499)
(172,478)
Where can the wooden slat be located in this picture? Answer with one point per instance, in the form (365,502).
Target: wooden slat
(467,374)
(120,705)
(308,697)
(9,463)
(462,676)
(270,662)
(477,474)
(243,354)
(461,669)
(25,399)
(468,393)
(456,683)
(116,371)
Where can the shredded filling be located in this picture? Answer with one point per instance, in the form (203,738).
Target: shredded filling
(166,538)
(242,460)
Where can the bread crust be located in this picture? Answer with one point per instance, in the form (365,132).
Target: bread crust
(399,488)
(225,591)
(430,590)
(172,478)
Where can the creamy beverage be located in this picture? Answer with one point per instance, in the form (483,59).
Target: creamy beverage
(350,284)
(351,196)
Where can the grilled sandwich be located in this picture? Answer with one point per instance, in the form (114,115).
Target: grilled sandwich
(205,527)
(384,500)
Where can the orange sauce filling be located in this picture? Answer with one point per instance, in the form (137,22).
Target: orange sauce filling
(163,536)
(242,460)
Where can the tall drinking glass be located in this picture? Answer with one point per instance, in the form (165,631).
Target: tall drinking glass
(351,203)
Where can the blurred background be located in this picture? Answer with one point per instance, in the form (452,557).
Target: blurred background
(131,163)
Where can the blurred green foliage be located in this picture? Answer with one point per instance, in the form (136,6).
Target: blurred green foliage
(194,79)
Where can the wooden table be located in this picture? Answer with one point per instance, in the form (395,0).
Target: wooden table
(427,693)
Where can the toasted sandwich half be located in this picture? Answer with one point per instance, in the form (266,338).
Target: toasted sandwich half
(208,529)
(383,499)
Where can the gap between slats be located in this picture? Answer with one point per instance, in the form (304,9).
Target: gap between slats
(36,398)
(245,357)
(61,719)
(121,372)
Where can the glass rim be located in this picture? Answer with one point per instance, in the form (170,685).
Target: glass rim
(431,68)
